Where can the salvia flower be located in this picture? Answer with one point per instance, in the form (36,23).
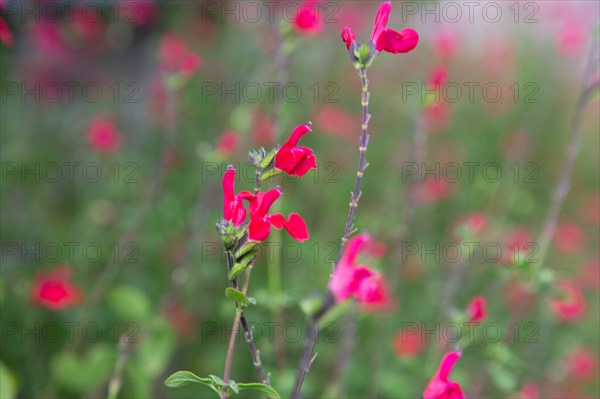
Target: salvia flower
(103,135)
(5,34)
(261,222)
(440,387)
(477,309)
(307,20)
(384,39)
(233,208)
(358,281)
(54,290)
(572,305)
(293,159)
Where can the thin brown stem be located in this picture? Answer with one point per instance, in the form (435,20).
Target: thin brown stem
(236,325)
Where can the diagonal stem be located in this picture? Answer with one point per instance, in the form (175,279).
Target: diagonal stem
(312,331)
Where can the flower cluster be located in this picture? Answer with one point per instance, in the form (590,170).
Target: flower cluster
(241,233)
(382,39)
(358,281)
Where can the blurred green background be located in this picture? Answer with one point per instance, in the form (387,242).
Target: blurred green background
(152,296)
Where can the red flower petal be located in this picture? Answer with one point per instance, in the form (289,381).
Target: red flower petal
(397,42)
(381,20)
(348,36)
(258,229)
(295,225)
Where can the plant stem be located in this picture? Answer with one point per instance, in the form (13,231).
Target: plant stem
(236,324)
(254,352)
(312,330)
(362,163)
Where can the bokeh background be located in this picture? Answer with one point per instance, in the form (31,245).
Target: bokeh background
(118,119)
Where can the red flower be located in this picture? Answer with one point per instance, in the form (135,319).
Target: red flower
(295,160)
(307,20)
(477,309)
(572,306)
(408,343)
(569,238)
(582,364)
(261,222)
(386,39)
(529,391)
(227,142)
(54,291)
(364,284)
(103,135)
(233,209)
(440,387)
(5,35)
(175,57)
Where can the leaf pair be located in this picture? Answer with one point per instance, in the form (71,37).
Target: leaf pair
(181,378)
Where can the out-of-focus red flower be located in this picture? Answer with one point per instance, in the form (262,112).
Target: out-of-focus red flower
(233,208)
(291,158)
(140,12)
(582,364)
(86,26)
(437,116)
(183,322)
(477,309)
(431,191)
(174,56)
(589,275)
(408,343)
(47,38)
(570,38)
(529,390)
(385,39)
(569,238)
(103,134)
(445,44)
(572,306)
(263,130)
(261,222)
(336,121)
(437,78)
(358,281)
(227,142)
(54,290)
(307,20)
(518,245)
(5,35)
(440,387)
(476,222)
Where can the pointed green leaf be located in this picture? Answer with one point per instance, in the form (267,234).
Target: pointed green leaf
(266,389)
(238,296)
(181,378)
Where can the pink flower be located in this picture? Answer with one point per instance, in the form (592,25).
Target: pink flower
(438,77)
(294,160)
(582,364)
(440,387)
(529,390)
(569,238)
(336,121)
(477,309)
(5,35)
(408,343)
(572,306)
(445,44)
(261,222)
(477,222)
(227,142)
(386,39)
(53,290)
(360,282)
(103,135)
(307,20)
(174,56)
(233,208)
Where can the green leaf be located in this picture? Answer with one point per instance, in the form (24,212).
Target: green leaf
(181,378)
(264,388)
(8,387)
(503,378)
(239,297)
(242,263)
